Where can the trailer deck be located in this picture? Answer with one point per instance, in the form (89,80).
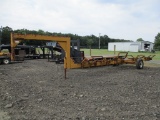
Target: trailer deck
(121,58)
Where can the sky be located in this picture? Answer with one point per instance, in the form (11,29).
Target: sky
(119,19)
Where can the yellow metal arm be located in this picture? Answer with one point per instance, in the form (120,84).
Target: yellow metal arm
(64,42)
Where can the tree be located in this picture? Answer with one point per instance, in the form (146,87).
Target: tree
(0,36)
(140,40)
(85,41)
(89,42)
(157,42)
(41,32)
(104,41)
(6,31)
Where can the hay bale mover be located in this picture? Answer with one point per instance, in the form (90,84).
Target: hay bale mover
(76,58)
(121,58)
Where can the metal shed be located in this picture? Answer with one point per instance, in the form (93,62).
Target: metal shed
(131,46)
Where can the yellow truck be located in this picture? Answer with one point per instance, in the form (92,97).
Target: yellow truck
(4,58)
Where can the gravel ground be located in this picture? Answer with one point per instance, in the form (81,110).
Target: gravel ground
(37,90)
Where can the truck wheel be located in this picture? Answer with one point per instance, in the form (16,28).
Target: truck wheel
(6,61)
(139,64)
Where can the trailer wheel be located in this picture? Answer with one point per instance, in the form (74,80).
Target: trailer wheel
(6,61)
(139,64)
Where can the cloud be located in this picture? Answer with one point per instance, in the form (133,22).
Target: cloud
(116,18)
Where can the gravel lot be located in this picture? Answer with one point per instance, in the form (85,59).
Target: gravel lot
(37,90)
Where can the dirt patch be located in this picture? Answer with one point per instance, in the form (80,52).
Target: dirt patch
(37,90)
(153,63)
(4,116)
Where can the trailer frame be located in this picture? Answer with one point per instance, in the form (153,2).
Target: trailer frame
(83,61)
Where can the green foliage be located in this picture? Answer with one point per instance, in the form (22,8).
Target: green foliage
(89,42)
(6,31)
(139,40)
(157,42)
(85,41)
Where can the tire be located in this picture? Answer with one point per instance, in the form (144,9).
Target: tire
(6,61)
(139,64)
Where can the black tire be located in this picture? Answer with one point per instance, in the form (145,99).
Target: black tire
(6,61)
(139,64)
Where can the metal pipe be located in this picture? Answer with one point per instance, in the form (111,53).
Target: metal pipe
(65,73)
(90,51)
(114,49)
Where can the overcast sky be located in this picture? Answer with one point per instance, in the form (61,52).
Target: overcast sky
(123,19)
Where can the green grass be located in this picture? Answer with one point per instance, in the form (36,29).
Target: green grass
(106,52)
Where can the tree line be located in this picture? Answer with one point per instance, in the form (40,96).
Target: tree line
(85,41)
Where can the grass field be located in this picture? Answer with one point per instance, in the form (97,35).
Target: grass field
(106,52)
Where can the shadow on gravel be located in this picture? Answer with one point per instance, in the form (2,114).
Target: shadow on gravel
(15,62)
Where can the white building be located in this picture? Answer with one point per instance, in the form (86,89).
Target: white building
(131,46)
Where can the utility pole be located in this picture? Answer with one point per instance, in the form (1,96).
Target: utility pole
(99,41)
(0,37)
